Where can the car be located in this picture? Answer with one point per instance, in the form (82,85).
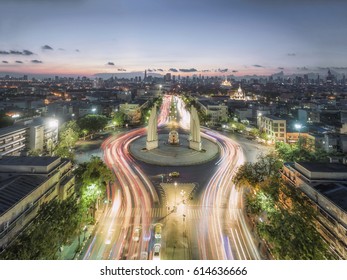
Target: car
(174,174)
(136,234)
(156,251)
(157,231)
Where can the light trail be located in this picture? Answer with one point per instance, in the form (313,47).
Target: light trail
(222,232)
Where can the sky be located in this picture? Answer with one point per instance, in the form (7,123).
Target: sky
(183,37)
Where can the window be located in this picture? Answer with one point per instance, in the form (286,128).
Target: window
(281,124)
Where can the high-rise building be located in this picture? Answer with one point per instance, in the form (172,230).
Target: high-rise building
(167,77)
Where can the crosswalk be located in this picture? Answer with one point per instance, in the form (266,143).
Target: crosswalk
(194,213)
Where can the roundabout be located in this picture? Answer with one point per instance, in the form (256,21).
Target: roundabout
(173,155)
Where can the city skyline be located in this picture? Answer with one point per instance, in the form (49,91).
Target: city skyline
(211,37)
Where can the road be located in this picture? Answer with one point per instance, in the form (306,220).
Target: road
(214,223)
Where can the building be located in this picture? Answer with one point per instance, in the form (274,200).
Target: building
(25,184)
(43,134)
(35,134)
(274,127)
(315,141)
(325,184)
(217,112)
(13,140)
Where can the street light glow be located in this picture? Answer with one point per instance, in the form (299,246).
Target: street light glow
(298,126)
(53,123)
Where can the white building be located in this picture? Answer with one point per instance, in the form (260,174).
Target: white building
(218,113)
(35,134)
(274,127)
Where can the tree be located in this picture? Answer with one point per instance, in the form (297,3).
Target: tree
(300,151)
(252,174)
(263,136)
(282,214)
(92,123)
(237,126)
(5,120)
(64,152)
(69,134)
(93,177)
(56,222)
(255,132)
(118,119)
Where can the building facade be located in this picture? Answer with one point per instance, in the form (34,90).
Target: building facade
(38,134)
(26,183)
(274,127)
(218,113)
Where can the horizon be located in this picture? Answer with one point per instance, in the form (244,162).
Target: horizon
(220,37)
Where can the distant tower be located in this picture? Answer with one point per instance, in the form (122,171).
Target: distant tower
(152,133)
(145,78)
(195,137)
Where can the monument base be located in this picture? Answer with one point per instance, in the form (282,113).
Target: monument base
(150,145)
(195,145)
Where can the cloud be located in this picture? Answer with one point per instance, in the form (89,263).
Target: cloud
(302,68)
(77,50)
(223,70)
(4,61)
(291,54)
(257,65)
(188,70)
(122,69)
(61,49)
(160,70)
(36,61)
(173,70)
(150,70)
(205,70)
(16,52)
(24,52)
(339,68)
(234,71)
(19,62)
(110,63)
(280,68)
(46,47)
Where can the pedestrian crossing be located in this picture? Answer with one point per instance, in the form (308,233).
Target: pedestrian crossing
(195,213)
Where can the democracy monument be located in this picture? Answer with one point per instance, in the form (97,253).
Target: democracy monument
(173,145)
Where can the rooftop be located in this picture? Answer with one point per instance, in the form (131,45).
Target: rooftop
(272,117)
(336,192)
(323,167)
(11,129)
(15,189)
(28,161)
